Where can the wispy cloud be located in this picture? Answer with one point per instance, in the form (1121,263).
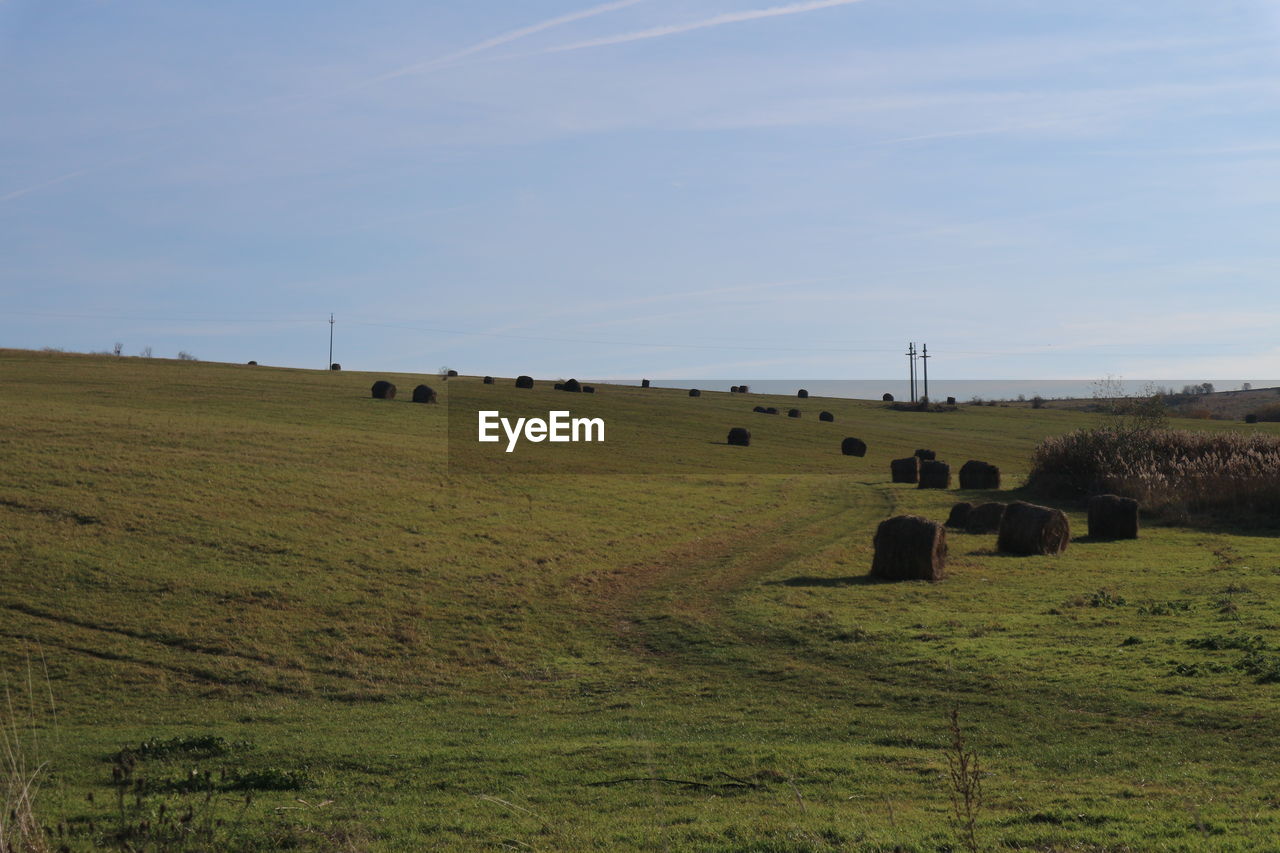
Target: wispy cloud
(507,38)
(717,21)
(19,193)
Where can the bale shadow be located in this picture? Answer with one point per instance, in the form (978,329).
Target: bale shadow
(812,581)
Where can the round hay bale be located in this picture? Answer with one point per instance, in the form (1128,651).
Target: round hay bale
(985,518)
(572,385)
(826,416)
(888,398)
(925,454)
(253,363)
(853,447)
(802,394)
(1249,418)
(694,392)
(1113,517)
(905,470)
(424,394)
(979,475)
(761,410)
(934,474)
(1031,529)
(733,389)
(908,548)
(559,386)
(383,390)
(451,373)
(524,381)
(644,383)
(488,380)
(588,389)
(793,413)
(335,366)
(744,389)
(959,516)
(740,436)
(951,401)
(771,411)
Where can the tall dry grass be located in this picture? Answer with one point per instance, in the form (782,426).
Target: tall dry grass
(21,770)
(1171,472)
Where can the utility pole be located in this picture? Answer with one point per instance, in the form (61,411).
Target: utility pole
(925,358)
(911,364)
(330,364)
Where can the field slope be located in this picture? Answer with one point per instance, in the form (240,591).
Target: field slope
(252,608)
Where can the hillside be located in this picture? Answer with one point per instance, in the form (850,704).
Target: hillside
(333,622)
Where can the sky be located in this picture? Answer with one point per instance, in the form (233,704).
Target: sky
(660,188)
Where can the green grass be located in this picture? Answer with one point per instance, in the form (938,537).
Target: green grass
(337,629)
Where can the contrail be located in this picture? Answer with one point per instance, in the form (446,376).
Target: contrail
(10,196)
(504,38)
(719,20)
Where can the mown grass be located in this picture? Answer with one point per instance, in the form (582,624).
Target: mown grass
(389,656)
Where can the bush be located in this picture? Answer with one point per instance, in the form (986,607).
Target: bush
(1163,469)
(1269,412)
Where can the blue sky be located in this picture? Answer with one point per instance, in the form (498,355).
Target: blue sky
(664,188)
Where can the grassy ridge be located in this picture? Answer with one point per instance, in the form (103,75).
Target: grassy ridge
(270,557)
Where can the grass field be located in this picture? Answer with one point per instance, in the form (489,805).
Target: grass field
(252,608)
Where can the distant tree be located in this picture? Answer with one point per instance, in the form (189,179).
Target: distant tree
(186,356)
(117,349)
(1140,414)
(1206,388)
(1248,386)
(1037,402)
(146,352)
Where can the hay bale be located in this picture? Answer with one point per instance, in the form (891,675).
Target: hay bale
(740,436)
(934,474)
(761,410)
(335,366)
(985,518)
(1031,529)
(588,389)
(559,386)
(908,547)
(922,455)
(826,416)
(733,389)
(572,385)
(771,410)
(853,447)
(383,390)
(888,398)
(524,381)
(644,383)
(1249,418)
(451,373)
(793,413)
(979,475)
(488,380)
(254,363)
(424,394)
(959,516)
(802,394)
(744,389)
(905,470)
(1113,517)
(951,401)
(694,392)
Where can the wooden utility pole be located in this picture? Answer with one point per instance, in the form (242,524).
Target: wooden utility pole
(330,364)
(924,356)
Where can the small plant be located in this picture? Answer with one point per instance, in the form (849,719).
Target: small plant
(1163,608)
(964,775)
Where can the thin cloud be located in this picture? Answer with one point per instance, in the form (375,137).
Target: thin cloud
(508,37)
(717,21)
(10,196)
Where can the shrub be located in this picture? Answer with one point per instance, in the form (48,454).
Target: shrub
(1163,469)
(1269,412)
